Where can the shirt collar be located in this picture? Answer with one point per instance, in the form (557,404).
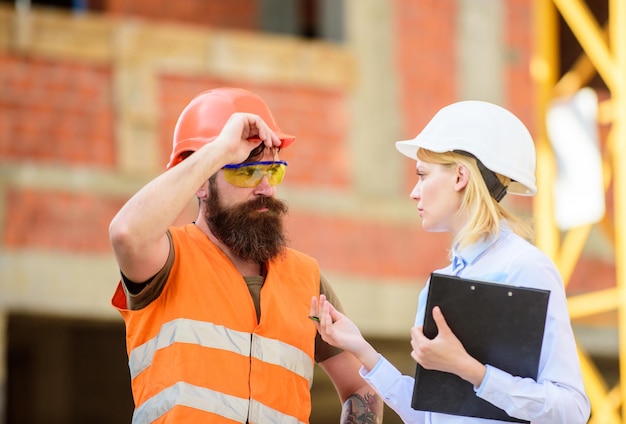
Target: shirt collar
(469,254)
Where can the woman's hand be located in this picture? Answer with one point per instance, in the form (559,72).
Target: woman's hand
(334,327)
(337,330)
(445,352)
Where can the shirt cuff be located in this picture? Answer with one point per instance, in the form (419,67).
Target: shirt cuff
(483,383)
(496,386)
(383,376)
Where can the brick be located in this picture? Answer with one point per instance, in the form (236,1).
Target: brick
(425,63)
(58,221)
(367,248)
(520,97)
(56,111)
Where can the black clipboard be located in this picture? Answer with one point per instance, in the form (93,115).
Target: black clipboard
(498,324)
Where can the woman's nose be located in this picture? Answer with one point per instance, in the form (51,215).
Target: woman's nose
(415,193)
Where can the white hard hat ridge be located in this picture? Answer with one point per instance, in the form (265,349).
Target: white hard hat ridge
(489,132)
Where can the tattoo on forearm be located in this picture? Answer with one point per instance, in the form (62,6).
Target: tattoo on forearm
(367,409)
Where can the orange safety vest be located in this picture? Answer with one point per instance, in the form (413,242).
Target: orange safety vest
(197,352)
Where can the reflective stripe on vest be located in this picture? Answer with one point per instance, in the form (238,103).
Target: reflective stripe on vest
(274,352)
(218,337)
(188,331)
(231,407)
(262,414)
(184,394)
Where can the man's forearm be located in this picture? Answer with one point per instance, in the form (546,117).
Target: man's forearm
(362,409)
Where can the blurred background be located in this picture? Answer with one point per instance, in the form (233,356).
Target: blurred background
(90,91)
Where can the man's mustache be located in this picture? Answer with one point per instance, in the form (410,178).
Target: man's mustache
(264,202)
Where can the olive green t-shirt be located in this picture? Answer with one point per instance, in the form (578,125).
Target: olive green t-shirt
(140,295)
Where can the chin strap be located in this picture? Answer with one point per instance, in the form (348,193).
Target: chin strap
(493,183)
(495,186)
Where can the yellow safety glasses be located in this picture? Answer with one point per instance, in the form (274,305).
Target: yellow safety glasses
(250,174)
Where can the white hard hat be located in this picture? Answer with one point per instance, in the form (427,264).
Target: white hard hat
(489,132)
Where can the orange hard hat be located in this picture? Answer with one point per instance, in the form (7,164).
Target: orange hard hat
(204,117)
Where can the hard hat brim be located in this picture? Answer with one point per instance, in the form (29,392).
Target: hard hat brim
(409,149)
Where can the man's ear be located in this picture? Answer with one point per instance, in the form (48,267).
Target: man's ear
(462,177)
(203,191)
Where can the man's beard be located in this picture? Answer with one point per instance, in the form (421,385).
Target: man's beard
(249,234)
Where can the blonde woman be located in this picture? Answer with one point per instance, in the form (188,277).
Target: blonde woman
(469,156)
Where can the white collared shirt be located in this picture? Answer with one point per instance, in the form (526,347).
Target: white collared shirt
(558,395)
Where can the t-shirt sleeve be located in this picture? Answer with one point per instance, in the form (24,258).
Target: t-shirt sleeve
(140,295)
(324,350)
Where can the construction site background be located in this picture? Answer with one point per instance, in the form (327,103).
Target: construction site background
(89,95)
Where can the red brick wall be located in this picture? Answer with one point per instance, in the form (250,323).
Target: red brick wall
(78,221)
(425,63)
(520,95)
(58,221)
(60,112)
(369,248)
(55,111)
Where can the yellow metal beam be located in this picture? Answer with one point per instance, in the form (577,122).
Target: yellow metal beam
(605,409)
(543,68)
(589,34)
(571,249)
(581,72)
(592,303)
(617,38)
(566,249)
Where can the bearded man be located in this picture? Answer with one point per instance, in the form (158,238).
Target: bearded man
(216,311)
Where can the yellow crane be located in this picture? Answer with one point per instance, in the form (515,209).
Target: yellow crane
(604,53)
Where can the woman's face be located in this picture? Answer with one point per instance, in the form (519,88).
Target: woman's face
(439,192)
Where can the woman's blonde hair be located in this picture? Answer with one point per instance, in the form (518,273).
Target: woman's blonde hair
(484,212)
